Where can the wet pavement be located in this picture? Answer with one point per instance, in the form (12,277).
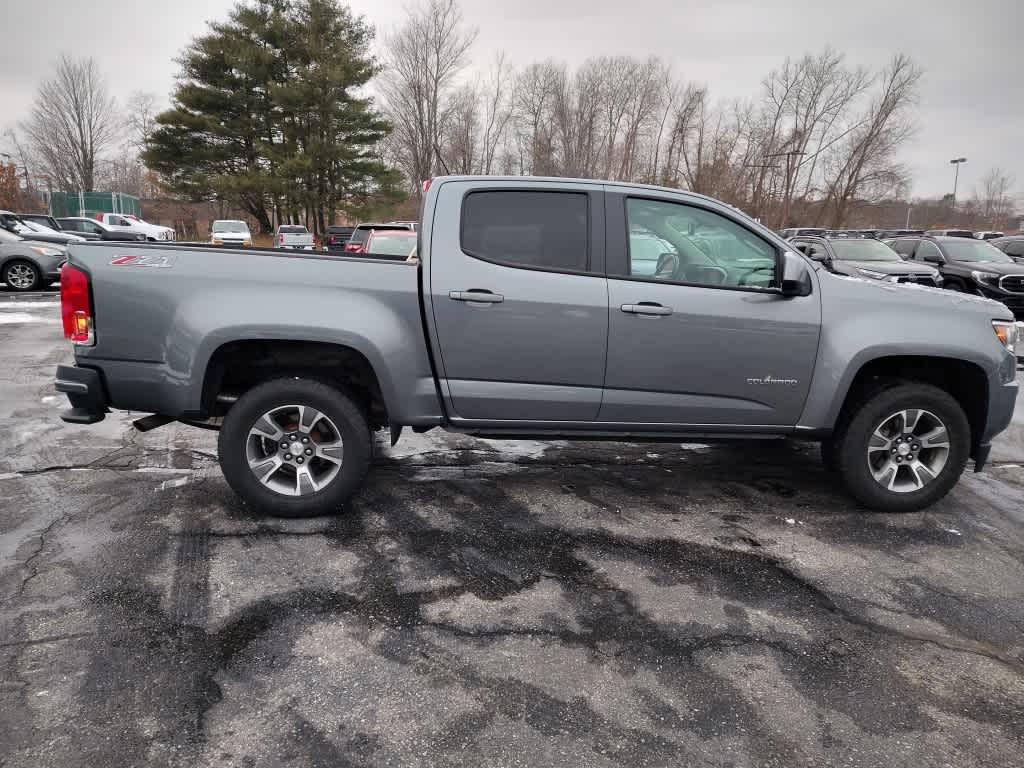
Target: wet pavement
(491,604)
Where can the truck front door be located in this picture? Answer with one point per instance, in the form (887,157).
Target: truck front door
(705,340)
(518,305)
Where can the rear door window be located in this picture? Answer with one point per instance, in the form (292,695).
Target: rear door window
(904,248)
(521,228)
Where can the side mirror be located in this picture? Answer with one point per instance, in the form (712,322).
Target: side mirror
(796,279)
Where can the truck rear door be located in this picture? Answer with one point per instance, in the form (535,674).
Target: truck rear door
(518,300)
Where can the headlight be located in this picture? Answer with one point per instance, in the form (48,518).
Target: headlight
(1006,332)
(217,241)
(47,251)
(247,241)
(872,274)
(988,278)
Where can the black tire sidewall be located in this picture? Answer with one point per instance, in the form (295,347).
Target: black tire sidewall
(336,406)
(852,447)
(36,285)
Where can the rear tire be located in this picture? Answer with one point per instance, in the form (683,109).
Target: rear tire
(21,275)
(904,448)
(333,440)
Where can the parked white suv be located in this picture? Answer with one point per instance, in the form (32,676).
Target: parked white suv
(127,222)
(230,232)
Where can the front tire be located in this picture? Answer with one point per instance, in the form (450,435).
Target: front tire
(904,448)
(295,448)
(22,276)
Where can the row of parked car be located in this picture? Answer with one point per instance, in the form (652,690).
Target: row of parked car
(990,268)
(34,245)
(391,240)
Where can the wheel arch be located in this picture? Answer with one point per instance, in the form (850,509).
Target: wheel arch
(236,366)
(964,380)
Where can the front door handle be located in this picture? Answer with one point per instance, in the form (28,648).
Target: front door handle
(476,295)
(646,308)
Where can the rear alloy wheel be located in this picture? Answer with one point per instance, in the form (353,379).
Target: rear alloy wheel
(295,448)
(22,276)
(905,448)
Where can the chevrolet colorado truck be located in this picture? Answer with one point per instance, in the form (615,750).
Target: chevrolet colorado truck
(527,316)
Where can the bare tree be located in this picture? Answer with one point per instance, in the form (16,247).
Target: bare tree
(72,123)
(140,114)
(863,163)
(994,200)
(423,58)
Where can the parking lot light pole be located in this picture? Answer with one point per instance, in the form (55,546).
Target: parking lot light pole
(955,162)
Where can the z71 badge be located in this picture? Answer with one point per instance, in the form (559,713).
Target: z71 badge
(142,261)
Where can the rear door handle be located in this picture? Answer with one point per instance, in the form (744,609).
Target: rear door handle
(646,308)
(476,295)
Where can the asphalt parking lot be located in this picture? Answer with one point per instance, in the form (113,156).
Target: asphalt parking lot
(491,604)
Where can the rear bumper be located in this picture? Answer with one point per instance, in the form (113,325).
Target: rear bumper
(86,393)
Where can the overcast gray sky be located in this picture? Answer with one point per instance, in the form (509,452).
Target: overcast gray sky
(972,97)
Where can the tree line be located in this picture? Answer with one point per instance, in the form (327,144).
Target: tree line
(272,111)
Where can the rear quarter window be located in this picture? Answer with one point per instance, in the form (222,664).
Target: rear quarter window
(526,228)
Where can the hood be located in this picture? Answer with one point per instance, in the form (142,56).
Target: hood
(992,266)
(924,298)
(891,267)
(54,246)
(230,236)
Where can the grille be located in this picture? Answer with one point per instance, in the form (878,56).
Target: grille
(919,279)
(1013,283)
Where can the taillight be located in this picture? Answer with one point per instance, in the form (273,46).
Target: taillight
(280,239)
(426,185)
(75,306)
(99,217)
(331,240)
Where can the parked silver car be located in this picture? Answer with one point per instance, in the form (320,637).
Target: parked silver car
(27,265)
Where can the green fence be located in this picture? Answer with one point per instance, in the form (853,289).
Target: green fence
(91,203)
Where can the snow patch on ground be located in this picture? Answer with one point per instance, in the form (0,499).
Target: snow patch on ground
(23,318)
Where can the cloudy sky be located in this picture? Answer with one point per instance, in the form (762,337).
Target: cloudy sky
(972,97)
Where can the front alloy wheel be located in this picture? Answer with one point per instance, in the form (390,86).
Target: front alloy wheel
(22,276)
(903,447)
(908,450)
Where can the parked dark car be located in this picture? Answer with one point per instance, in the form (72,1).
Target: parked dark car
(803,231)
(337,237)
(949,233)
(1012,246)
(866,257)
(357,243)
(969,266)
(882,234)
(84,227)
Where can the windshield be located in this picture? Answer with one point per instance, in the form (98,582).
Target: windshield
(863,250)
(238,227)
(974,250)
(292,230)
(8,237)
(40,228)
(392,244)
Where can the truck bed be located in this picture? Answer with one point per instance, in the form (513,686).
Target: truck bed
(162,311)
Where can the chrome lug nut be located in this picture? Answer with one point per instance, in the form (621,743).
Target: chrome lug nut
(916,447)
(309,452)
(284,445)
(287,457)
(299,459)
(305,439)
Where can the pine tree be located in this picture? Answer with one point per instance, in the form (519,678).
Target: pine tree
(267,112)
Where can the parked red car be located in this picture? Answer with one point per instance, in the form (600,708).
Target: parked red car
(391,244)
(357,242)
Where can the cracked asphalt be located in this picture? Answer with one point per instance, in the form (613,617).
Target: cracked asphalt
(491,604)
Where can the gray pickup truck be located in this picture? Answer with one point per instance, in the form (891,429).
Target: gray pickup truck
(530,315)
